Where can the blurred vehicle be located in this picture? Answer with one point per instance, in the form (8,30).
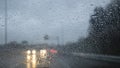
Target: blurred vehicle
(44,60)
(31,52)
(30,55)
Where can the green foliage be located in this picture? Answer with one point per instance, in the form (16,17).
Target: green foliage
(105,28)
(104,31)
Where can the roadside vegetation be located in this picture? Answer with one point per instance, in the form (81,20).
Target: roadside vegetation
(104,32)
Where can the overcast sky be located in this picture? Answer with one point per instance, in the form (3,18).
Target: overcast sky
(32,19)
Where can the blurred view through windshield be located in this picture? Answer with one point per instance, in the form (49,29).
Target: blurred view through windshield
(59,33)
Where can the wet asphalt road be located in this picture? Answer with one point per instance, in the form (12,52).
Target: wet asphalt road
(58,61)
(81,62)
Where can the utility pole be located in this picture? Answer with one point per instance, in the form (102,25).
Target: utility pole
(58,40)
(62,33)
(6,18)
(46,37)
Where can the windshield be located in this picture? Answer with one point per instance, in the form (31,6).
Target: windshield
(59,33)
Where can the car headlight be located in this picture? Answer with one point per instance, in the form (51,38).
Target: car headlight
(33,51)
(43,53)
(28,52)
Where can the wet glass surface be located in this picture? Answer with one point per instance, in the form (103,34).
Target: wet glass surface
(59,34)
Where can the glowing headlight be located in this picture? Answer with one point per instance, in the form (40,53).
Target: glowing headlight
(28,52)
(33,51)
(43,53)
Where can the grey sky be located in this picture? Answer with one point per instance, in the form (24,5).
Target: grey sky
(32,19)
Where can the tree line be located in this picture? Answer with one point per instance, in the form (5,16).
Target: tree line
(104,32)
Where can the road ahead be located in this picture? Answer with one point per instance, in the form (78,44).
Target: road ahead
(58,61)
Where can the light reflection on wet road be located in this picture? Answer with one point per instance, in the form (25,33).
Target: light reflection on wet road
(59,61)
(31,61)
